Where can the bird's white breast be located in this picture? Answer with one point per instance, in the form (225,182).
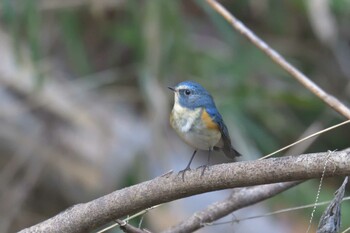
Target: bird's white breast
(189,126)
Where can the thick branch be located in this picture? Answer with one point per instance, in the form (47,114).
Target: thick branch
(278,59)
(87,216)
(239,199)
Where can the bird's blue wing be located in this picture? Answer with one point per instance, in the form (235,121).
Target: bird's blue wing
(217,118)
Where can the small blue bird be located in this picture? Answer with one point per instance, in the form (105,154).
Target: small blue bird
(197,121)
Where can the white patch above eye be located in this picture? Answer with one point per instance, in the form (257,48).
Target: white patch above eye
(181,87)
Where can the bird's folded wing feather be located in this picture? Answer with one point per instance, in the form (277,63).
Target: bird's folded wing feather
(227,147)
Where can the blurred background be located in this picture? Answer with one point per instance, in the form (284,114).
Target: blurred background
(84,103)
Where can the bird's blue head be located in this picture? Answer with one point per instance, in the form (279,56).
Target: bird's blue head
(190,94)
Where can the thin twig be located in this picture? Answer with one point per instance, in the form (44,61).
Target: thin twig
(308,137)
(318,192)
(129,218)
(277,212)
(278,59)
(346,230)
(127,228)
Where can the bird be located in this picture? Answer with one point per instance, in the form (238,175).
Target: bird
(197,121)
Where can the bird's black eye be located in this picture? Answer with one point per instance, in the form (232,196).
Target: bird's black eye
(187,92)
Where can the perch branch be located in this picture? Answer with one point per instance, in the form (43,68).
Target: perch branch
(93,214)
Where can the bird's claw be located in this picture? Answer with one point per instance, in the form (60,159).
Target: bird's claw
(204,168)
(183,172)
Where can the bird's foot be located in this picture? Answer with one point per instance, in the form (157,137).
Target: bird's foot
(182,172)
(204,168)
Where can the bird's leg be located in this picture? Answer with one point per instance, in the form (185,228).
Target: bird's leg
(208,163)
(188,166)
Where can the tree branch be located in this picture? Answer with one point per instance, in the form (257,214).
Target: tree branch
(278,59)
(238,199)
(87,216)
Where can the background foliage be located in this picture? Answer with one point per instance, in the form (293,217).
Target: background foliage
(84,103)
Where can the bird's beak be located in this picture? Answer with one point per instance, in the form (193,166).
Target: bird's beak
(171,88)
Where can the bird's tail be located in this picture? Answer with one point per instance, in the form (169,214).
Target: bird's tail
(230,152)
